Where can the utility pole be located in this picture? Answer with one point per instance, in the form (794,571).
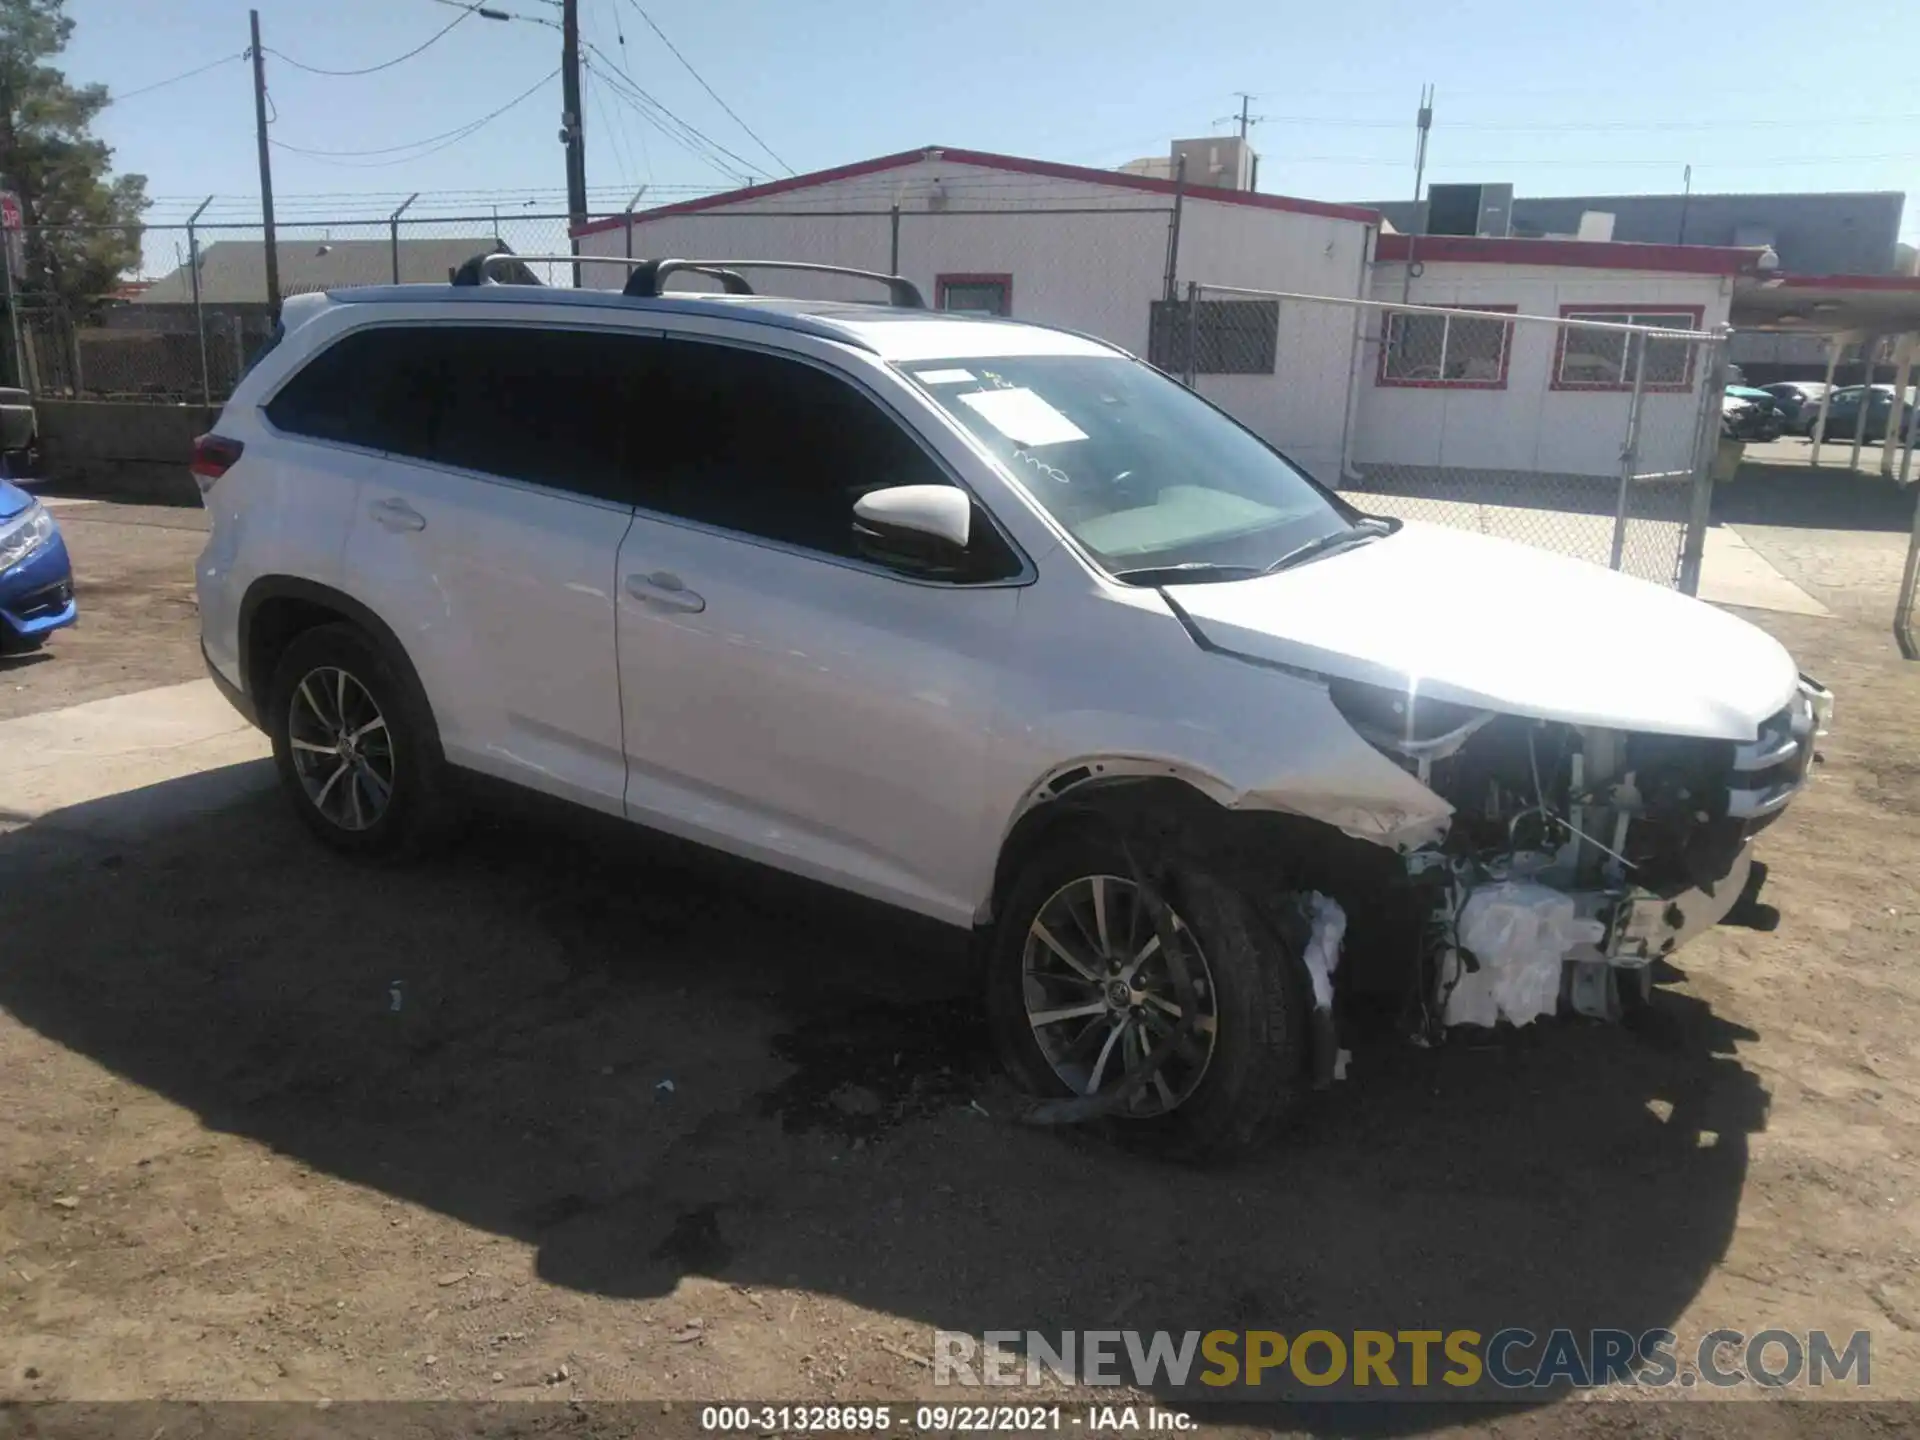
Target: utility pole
(1423,123)
(1247,122)
(1245,119)
(571,134)
(272,251)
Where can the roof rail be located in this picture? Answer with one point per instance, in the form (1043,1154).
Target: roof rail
(649,277)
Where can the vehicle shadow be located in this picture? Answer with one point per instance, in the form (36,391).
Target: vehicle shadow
(647,1064)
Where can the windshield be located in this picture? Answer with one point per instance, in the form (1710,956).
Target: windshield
(1141,472)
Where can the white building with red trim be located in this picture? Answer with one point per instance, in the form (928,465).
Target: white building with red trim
(1530,397)
(1101,251)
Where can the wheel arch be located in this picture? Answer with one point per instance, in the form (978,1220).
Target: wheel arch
(1173,817)
(1177,808)
(278,608)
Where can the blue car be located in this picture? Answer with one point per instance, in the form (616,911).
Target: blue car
(36,577)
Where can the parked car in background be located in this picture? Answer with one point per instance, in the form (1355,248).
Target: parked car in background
(1798,402)
(1843,411)
(1747,414)
(36,578)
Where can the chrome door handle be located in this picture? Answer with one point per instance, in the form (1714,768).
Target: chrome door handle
(663,590)
(396,515)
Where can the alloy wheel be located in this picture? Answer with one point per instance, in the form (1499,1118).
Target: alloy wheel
(1120,1004)
(342,749)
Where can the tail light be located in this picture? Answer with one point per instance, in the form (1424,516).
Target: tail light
(213,456)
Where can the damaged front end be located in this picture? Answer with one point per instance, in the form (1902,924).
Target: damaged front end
(1578,855)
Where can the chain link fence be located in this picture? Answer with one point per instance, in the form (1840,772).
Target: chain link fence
(1588,435)
(187,327)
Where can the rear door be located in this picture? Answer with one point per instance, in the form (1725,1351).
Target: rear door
(784,697)
(487,538)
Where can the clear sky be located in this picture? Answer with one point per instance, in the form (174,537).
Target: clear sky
(1555,97)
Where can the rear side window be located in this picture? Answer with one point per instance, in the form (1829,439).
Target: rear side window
(548,406)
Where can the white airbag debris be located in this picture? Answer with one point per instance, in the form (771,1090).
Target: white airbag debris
(1323,947)
(1519,933)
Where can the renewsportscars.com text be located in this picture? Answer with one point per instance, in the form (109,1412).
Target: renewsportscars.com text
(1383,1362)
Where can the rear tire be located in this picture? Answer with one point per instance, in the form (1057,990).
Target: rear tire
(357,756)
(1255,1067)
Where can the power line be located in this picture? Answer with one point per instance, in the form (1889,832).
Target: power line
(176,79)
(664,123)
(450,136)
(682,132)
(706,87)
(491,12)
(1595,126)
(465,13)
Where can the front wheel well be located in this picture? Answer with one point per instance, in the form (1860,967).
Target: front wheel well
(1169,826)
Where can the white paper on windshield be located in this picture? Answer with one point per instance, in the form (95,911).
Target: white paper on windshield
(1023,417)
(943,377)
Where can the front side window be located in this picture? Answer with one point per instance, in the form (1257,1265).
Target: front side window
(780,450)
(1460,350)
(1592,359)
(1142,472)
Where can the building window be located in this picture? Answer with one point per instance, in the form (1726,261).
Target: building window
(1230,337)
(975,294)
(1603,359)
(1460,351)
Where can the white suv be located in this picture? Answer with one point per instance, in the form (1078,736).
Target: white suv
(997,624)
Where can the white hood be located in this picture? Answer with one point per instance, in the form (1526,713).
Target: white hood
(1502,626)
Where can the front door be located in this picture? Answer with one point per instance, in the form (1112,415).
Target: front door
(784,697)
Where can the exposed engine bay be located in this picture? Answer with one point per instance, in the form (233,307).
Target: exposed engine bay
(1577,855)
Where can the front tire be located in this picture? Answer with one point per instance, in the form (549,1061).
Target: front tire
(356,755)
(1077,928)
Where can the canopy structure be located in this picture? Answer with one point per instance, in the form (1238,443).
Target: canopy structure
(1871,311)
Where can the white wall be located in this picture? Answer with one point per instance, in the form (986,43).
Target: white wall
(1302,407)
(1529,425)
(1095,268)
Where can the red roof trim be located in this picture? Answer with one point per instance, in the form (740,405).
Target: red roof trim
(1895,283)
(988,161)
(1579,254)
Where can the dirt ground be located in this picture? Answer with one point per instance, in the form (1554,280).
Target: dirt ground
(568,1115)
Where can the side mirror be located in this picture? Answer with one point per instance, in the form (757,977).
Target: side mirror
(917,527)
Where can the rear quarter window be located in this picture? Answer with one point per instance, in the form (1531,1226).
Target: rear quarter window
(379,388)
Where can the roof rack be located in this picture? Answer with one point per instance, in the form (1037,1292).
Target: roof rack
(648,277)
